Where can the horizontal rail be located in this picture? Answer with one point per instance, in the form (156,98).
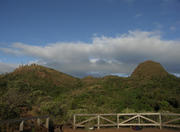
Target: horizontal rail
(95,114)
(129,119)
(119,114)
(170,114)
(137,124)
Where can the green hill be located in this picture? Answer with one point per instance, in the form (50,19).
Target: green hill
(149,70)
(44,91)
(31,86)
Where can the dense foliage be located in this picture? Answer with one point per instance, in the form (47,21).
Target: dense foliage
(36,90)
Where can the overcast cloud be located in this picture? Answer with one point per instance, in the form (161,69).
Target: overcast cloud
(108,55)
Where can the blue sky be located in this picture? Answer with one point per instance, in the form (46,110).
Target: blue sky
(81,37)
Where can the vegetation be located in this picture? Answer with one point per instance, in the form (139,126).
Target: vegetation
(37,90)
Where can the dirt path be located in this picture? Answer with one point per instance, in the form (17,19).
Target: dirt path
(122,130)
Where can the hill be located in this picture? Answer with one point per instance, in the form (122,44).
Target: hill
(149,88)
(32,86)
(44,91)
(148,70)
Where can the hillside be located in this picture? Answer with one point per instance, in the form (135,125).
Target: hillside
(32,86)
(149,70)
(44,91)
(48,80)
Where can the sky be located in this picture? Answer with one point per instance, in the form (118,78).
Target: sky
(90,37)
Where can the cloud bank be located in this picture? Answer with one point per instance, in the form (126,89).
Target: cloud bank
(5,68)
(107,55)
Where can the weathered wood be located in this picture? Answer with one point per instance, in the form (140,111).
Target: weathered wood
(129,119)
(173,120)
(107,125)
(101,125)
(107,120)
(110,114)
(139,119)
(117,120)
(74,122)
(130,114)
(170,114)
(98,121)
(86,114)
(149,113)
(38,122)
(160,121)
(21,126)
(152,121)
(92,118)
(137,124)
(47,123)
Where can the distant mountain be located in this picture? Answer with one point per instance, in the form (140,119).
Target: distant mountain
(44,91)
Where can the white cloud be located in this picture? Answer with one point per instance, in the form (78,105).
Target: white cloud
(105,54)
(176,74)
(5,67)
(172,28)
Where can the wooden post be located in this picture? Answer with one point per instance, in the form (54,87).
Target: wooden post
(47,123)
(38,122)
(139,120)
(98,119)
(74,122)
(117,120)
(160,121)
(21,126)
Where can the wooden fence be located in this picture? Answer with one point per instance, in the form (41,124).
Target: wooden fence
(127,120)
(37,120)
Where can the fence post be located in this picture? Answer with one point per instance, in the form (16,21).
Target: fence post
(139,120)
(47,123)
(38,122)
(160,121)
(21,126)
(98,117)
(117,120)
(74,122)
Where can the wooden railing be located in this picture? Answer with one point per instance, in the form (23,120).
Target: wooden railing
(21,122)
(127,119)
